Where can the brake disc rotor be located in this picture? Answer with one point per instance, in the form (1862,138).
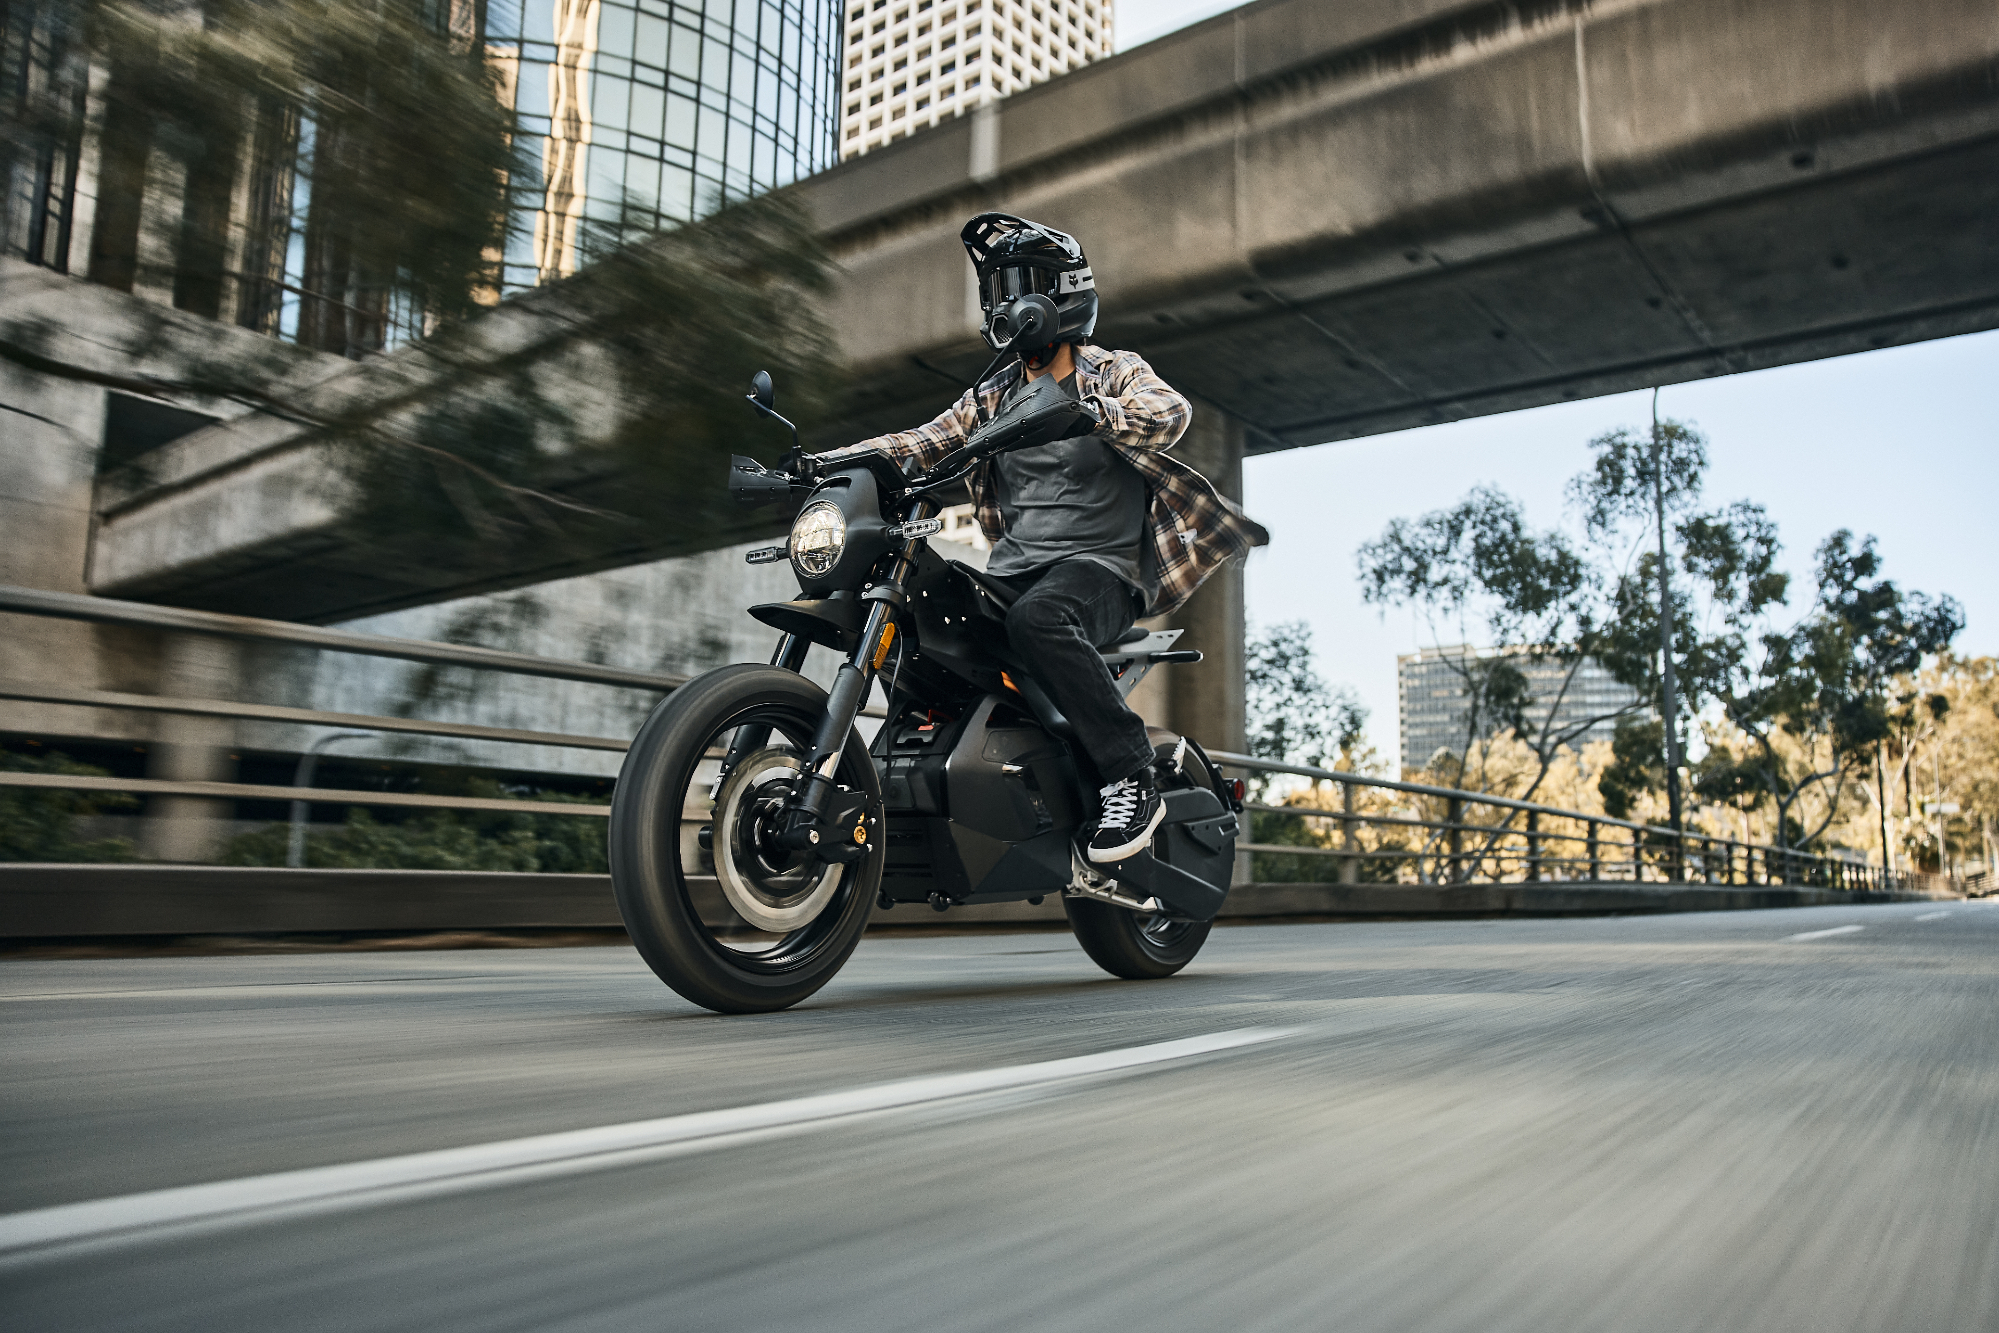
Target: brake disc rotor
(772,889)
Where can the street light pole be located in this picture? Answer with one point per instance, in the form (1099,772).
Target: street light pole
(302,777)
(1668,680)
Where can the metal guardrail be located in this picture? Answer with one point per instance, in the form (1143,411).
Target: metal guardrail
(1455,849)
(257,791)
(109,611)
(104,610)
(1530,843)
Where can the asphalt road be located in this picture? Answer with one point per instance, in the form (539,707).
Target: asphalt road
(1638,1123)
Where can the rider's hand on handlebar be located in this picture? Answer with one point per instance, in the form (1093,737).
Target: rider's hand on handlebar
(1086,421)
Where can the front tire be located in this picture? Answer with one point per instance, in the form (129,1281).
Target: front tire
(722,919)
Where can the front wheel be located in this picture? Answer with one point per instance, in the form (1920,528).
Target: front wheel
(720,913)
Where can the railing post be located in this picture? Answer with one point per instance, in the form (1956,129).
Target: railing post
(1595,854)
(1350,837)
(1533,846)
(1454,815)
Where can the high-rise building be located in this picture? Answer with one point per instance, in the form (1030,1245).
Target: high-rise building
(632,114)
(1433,704)
(645,113)
(908,64)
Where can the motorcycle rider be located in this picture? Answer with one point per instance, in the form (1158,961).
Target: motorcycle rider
(1090,532)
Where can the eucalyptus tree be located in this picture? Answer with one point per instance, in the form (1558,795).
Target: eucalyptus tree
(1477,567)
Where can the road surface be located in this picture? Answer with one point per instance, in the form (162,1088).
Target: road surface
(1743,1121)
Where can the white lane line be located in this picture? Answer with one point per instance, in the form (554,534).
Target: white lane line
(1932,916)
(1822,934)
(358,1184)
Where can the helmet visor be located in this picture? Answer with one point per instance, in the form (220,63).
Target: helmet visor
(1003,284)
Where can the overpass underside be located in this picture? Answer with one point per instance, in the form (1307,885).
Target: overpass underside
(1325,221)
(1492,208)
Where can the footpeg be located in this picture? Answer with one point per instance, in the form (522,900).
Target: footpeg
(1087,881)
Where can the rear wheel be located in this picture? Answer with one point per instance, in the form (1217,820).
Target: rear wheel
(1131,945)
(719,912)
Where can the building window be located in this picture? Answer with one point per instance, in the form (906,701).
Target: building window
(922,102)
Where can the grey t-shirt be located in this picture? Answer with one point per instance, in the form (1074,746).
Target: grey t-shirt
(1071,500)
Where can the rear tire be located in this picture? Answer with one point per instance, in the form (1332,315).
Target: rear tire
(1134,947)
(677,899)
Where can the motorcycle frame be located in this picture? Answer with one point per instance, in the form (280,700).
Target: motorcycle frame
(974,854)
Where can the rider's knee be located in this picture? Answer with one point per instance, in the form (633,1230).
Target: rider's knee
(1037,618)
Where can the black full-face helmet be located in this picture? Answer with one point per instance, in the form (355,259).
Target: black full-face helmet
(1016,258)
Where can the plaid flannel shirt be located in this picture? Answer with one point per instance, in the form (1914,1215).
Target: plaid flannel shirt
(1194,528)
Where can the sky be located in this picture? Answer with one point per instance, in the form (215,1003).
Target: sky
(1901,443)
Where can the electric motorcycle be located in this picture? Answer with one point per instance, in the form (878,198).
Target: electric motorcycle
(753,829)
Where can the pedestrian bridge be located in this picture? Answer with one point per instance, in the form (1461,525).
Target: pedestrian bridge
(1322,221)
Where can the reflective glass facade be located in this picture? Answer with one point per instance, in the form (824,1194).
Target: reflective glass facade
(657,111)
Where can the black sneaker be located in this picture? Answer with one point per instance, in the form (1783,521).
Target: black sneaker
(1132,811)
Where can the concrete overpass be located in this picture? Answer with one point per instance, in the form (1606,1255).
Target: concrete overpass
(1323,221)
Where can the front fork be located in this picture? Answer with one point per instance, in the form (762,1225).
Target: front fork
(800,823)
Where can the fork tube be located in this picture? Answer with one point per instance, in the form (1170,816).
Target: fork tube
(856,675)
(790,652)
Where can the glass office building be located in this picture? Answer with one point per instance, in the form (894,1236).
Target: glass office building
(657,111)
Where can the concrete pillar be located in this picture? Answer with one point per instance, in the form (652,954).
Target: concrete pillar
(1206,701)
(191,828)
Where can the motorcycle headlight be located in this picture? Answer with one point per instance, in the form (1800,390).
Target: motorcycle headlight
(818,536)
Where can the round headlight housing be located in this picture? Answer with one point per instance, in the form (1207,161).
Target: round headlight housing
(818,536)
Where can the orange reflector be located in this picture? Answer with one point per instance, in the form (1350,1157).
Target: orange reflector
(881,649)
(1007,681)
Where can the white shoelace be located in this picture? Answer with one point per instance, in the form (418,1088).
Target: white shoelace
(1120,803)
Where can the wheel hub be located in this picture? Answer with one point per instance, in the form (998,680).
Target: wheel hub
(770,887)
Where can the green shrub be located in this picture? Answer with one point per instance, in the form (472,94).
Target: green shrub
(440,840)
(40,824)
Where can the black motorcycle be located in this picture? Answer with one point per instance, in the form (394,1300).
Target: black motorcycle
(754,830)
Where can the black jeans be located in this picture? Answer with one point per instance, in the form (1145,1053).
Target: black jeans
(1061,617)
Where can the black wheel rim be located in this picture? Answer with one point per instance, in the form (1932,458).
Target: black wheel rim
(1164,933)
(779,882)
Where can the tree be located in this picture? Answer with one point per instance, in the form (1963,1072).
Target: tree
(372,136)
(1682,605)
(1536,597)
(1814,701)
(1294,716)
(562,424)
